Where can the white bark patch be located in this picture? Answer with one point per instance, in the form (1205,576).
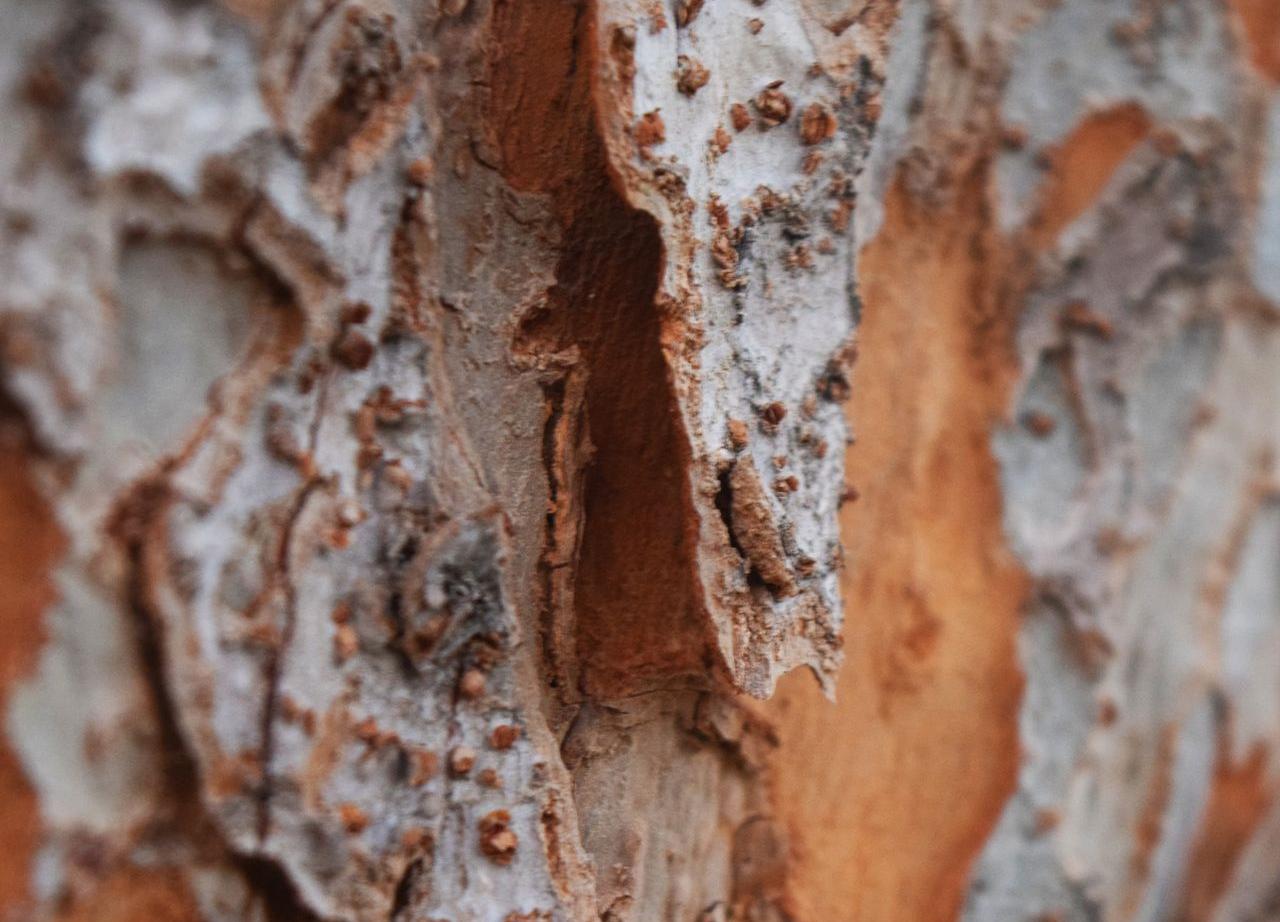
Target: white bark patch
(1131,470)
(174,89)
(753,185)
(1090,55)
(1266,240)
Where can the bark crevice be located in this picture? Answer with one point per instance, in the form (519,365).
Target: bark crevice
(637,620)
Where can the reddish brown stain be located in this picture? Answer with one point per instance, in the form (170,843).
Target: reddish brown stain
(1238,800)
(638,617)
(1260,25)
(131,894)
(1081,165)
(889,794)
(29,546)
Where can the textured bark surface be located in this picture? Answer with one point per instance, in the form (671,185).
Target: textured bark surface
(430,485)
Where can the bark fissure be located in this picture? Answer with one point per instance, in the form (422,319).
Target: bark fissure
(635,612)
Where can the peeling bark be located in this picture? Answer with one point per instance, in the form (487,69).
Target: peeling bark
(424,428)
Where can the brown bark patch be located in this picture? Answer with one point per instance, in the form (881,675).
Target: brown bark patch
(890,793)
(1238,800)
(1260,23)
(638,616)
(538,104)
(130,895)
(30,544)
(1081,165)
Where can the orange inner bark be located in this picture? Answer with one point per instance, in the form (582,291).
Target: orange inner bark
(1260,22)
(1238,800)
(29,545)
(1081,167)
(890,793)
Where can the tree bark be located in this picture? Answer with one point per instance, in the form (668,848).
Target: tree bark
(640,459)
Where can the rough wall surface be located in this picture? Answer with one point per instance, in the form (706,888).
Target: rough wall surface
(424,429)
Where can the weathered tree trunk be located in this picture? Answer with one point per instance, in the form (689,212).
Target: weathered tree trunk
(425,472)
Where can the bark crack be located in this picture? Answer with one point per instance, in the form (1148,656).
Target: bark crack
(633,602)
(275,662)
